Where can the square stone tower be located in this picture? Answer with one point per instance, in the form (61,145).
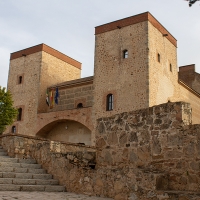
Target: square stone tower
(135,58)
(31,71)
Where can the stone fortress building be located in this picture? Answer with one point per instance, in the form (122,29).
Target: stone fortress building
(135,67)
(131,131)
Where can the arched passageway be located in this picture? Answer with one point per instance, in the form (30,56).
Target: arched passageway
(66,131)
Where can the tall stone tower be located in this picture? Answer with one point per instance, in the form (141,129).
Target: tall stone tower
(31,71)
(135,58)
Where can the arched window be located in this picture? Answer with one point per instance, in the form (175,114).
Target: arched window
(13,129)
(80,105)
(19,116)
(125,53)
(109,103)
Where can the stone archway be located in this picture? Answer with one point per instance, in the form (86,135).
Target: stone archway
(66,131)
(68,126)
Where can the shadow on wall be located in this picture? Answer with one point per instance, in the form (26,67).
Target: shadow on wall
(66,131)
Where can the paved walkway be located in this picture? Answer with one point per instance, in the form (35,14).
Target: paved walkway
(8,195)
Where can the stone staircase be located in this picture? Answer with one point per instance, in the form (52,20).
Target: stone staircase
(25,175)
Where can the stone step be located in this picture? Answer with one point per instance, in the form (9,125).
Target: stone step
(17,160)
(46,188)
(18,165)
(184,195)
(22,170)
(3,153)
(24,175)
(18,181)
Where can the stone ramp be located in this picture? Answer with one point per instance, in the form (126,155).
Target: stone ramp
(25,175)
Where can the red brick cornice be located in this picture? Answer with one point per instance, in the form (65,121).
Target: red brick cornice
(134,20)
(47,49)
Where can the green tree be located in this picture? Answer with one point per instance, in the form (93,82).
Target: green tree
(7,112)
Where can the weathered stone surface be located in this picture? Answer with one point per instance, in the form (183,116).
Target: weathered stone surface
(101,128)
(135,160)
(100,143)
(175,139)
(133,137)
(123,138)
(112,138)
(156,145)
(133,156)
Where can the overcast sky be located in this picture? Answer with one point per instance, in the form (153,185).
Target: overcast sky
(68,26)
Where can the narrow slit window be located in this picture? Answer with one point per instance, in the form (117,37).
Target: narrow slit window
(158,57)
(20,80)
(19,116)
(14,129)
(170,67)
(125,54)
(110,102)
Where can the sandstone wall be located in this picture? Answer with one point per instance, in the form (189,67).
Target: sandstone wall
(192,98)
(188,75)
(70,96)
(54,71)
(163,84)
(78,121)
(70,131)
(125,78)
(39,66)
(25,95)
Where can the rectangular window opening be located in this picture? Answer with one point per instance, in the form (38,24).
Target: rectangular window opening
(158,57)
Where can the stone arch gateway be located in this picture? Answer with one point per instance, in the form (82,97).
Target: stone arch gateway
(66,131)
(68,126)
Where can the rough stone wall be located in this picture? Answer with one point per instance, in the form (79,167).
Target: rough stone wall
(141,136)
(64,161)
(154,147)
(25,95)
(163,83)
(71,96)
(145,154)
(54,71)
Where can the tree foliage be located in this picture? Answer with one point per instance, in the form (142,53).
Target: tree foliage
(7,112)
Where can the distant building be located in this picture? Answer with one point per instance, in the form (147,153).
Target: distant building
(135,67)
